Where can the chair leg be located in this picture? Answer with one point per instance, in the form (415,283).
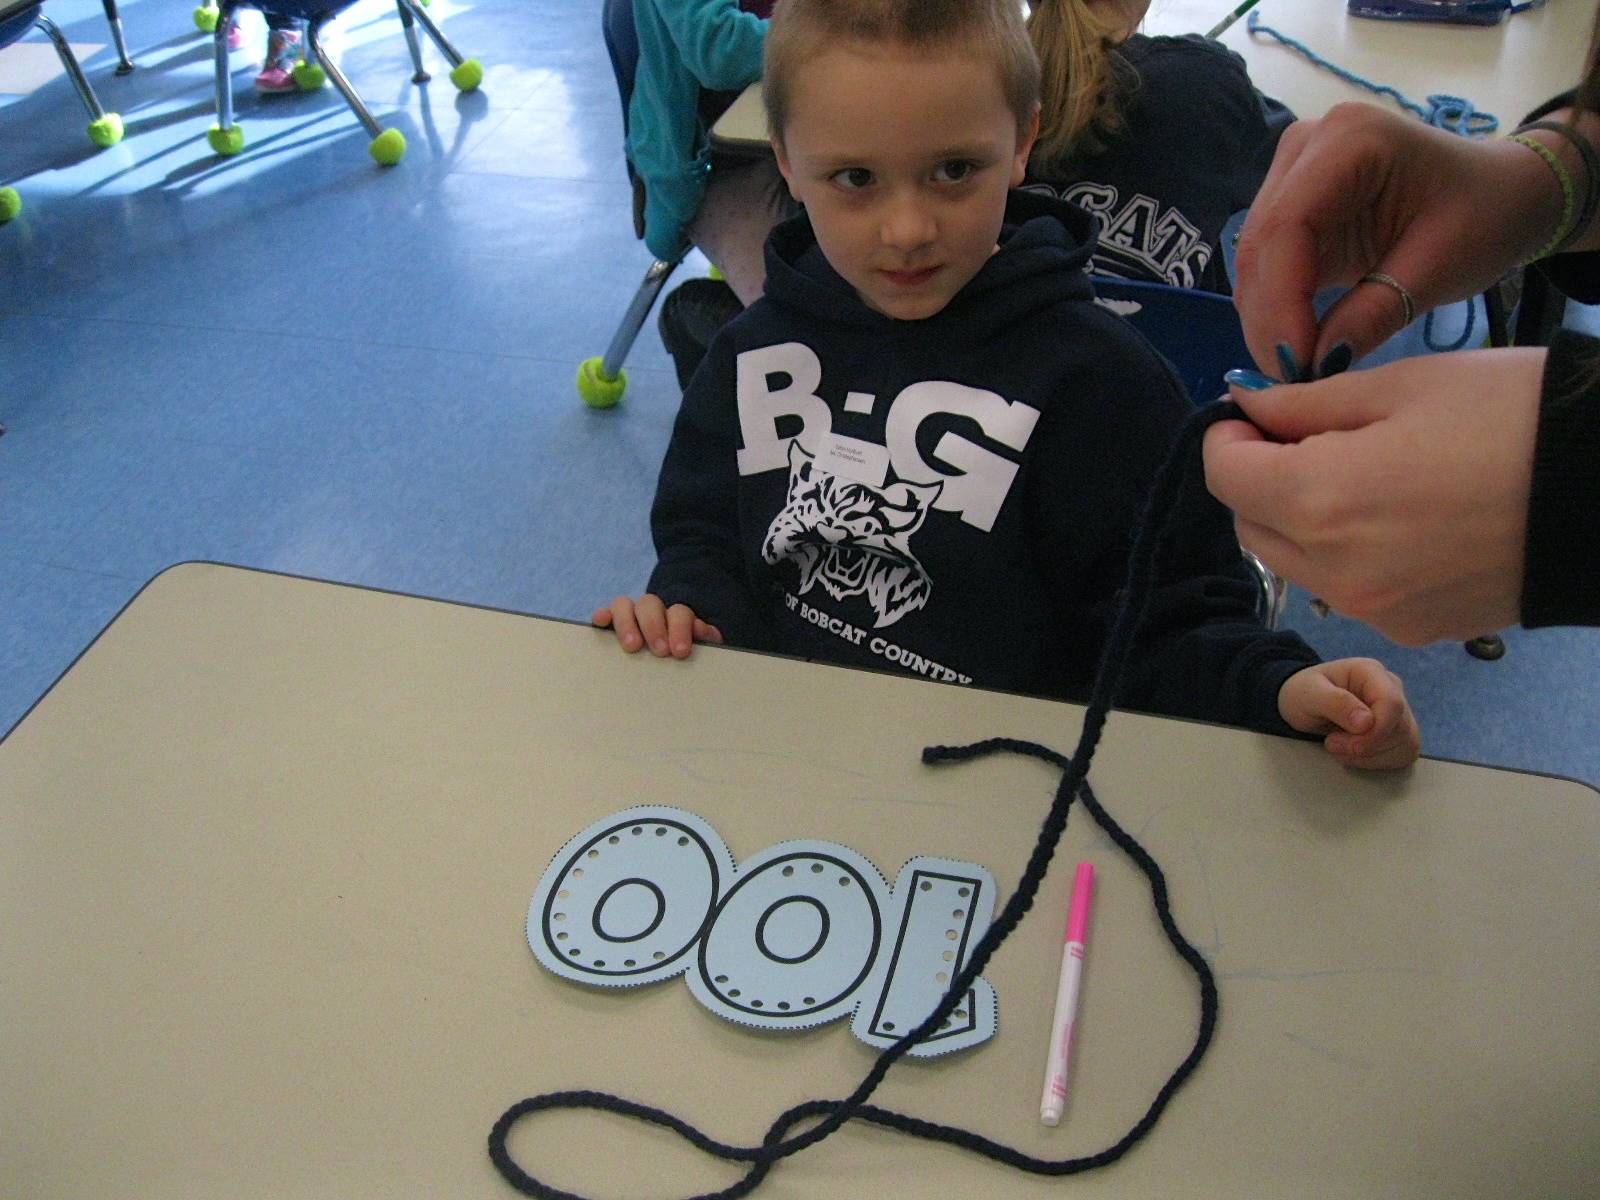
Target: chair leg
(388,146)
(439,39)
(1539,312)
(225,137)
(1272,591)
(314,37)
(465,73)
(105,129)
(69,62)
(1494,309)
(409,24)
(1489,647)
(633,320)
(124,63)
(601,381)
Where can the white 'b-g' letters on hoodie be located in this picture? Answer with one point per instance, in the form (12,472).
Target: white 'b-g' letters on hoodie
(976,479)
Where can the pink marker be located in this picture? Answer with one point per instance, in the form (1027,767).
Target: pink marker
(1055,1076)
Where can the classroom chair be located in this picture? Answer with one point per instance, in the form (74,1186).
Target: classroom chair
(17,17)
(601,381)
(1197,332)
(388,146)
(113,19)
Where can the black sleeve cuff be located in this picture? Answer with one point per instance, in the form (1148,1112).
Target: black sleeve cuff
(1576,275)
(1561,561)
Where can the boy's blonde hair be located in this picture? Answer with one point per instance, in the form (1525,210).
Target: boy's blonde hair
(802,29)
(1082,78)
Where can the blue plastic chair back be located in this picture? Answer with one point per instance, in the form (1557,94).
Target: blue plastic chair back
(17,19)
(1197,332)
(622,44)
(1200,335)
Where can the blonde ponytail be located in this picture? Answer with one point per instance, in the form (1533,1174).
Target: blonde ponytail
(1081,77)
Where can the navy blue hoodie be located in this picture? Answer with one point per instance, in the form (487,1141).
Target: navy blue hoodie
(1195,144)
(955,496)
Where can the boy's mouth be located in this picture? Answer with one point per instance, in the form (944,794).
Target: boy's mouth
(908,279)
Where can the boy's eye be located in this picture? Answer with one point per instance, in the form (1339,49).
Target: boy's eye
(853,177)
(955,170)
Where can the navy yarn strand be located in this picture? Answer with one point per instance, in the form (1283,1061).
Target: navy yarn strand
(1155,523)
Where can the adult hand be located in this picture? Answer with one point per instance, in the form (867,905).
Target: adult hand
(1399,494)
(1364,190)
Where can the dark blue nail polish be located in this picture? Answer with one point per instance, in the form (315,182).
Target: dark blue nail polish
(1252,381)
(1335,361)
(1288,364)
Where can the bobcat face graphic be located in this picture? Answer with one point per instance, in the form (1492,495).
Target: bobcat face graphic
(852,538)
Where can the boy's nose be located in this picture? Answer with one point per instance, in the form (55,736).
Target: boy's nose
(907,225)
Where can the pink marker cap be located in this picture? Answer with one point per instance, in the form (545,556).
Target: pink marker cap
(1078,914)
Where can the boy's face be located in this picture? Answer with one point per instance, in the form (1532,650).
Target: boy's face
(902,162)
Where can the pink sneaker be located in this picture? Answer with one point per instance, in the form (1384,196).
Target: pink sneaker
(277,73)
(235,35)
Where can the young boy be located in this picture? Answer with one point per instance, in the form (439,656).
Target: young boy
(926,448)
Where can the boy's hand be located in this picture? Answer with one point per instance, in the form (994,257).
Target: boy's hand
(1360,706)
(648,622)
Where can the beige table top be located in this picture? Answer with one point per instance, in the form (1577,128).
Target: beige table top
(743,127)
(1505,69)
(266,853)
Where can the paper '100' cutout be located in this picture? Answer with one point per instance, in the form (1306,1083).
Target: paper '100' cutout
(800,934)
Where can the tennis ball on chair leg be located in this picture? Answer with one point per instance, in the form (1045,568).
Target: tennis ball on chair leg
(468,75)
(308,76)
(205,17)
(106,131)
(10,204)
(388,148)
(595,389)
(226,141)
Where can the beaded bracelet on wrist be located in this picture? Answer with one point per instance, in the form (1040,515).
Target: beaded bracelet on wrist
(1572,225)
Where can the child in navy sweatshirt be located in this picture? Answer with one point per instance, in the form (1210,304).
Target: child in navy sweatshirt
(926,448)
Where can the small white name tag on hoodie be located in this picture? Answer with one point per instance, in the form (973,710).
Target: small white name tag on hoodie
(853,459)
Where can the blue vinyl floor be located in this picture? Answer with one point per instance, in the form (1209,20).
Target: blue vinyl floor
(296,360)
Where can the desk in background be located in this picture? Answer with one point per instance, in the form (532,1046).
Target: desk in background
(1506,69)
(266,852)
(742,128)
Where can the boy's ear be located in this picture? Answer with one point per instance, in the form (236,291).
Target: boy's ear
(783,164)
(1019,165)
